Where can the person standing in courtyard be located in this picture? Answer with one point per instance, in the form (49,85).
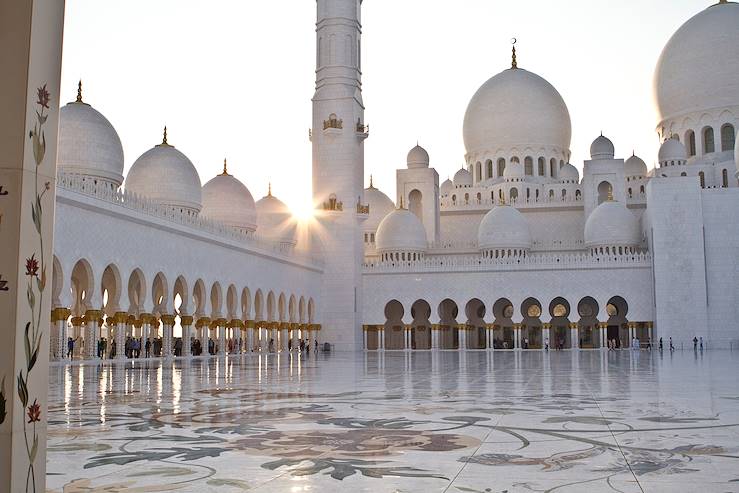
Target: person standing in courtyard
(672,348)
(695,343)
(660,345)
(701,343)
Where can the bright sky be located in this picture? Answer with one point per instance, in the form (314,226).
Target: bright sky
(234,78)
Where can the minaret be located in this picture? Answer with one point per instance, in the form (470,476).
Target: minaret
(338,135)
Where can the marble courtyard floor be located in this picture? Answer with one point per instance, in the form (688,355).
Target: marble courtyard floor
(442,422)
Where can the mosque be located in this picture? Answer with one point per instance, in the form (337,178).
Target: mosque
(518,251)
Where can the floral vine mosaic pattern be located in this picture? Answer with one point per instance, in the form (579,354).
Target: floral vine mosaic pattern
(590,422)
(35,271)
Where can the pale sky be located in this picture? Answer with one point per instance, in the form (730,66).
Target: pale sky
(234,78)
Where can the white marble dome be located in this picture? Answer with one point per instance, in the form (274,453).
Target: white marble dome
(602,148)
(514,171)
(635,166)
(672,150)
(698,67)
(446,187)
(569,174)
(516,108)
(380,206)
(462,178)
(504,227)
(612,224)
(88,144)
(418,158)
(166,176)
(401,231)
(227,200)
(274,219)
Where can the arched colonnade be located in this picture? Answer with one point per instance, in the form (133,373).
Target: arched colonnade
(535,324)
(106,313)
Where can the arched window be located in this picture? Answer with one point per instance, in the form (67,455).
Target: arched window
(528,194)
(683,174)
(630,193)
(564,194)
(466,198)
(725,178)
(641,189)
(542,165)
(727,137)
(528,166)
(514,194)
(604,191)
(454,199)
(551,194)
(489,166)
(479,197)
(537,194)
(415,203)
(709,145)
(690,142)
(578,194)
(553,168)
(479,171)
(501,167)
(702,176)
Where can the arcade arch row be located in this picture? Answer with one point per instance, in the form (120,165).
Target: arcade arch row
(534,326)
(88,306)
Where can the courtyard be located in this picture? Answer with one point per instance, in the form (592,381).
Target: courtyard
(622,421)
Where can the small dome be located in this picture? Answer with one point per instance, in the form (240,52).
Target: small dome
(418,158)
(516,108)
(446,187)
(514,170)
(697,70)
(227,200)
(612,224)
(672,150)
(602,148)
(504,227)
(569,174)
(462,178)
(635,166)
(167,176)
(380,206)
(274,219)
(401,231)
(88,144)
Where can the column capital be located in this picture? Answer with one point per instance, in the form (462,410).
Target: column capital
(546,325)
(517,326)
(186,320)
(167,319)
(574,325)
(59,314)
(77,321)
(92,316)
(236,324)
(603,325)
(146,318)
(120,317)
(202,322)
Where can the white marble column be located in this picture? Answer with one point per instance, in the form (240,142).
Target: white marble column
(186,323)
(603,326)
(92,333)
(59,318)
(462,333)
(364,334)
(167,336)
(120,319)
(381,338)
(221,329)
(546,330)
(283,337)
(30,52)
(146,319)
(517,336)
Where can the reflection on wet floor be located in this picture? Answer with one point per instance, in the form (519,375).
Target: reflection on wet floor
(471,421)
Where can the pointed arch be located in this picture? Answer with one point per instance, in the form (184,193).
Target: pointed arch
(136,292)
(160,293)
(199,298)
(216,300)
(232,302)
(183,292)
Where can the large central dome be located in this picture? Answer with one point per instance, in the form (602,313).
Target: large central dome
(698,68)
(514,109)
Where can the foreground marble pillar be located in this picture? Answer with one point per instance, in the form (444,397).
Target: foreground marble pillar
(92,333)
(575,336)
(517,336)
(30,57)
(220,326)
(603,326)
(283,337)
(546,329)
(146,319)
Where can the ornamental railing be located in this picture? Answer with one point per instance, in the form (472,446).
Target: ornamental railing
(532,261)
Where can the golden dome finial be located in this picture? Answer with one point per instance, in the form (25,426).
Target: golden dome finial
(514,62)
(371,182)
(269,189)
(164,137)
(225,170)
(79,91)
